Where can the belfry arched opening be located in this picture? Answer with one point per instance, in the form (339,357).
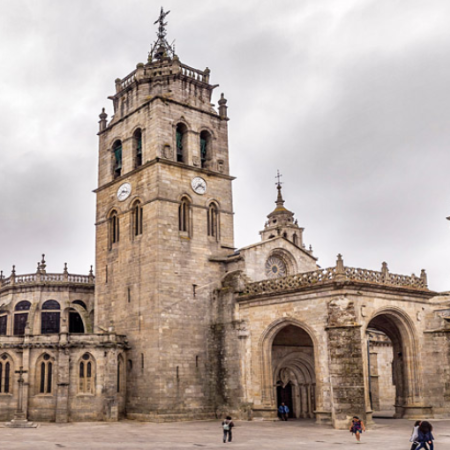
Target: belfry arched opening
(293,371)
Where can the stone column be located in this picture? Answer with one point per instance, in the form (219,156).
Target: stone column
(304,401)
(308,396)
(346,363)
(62,390)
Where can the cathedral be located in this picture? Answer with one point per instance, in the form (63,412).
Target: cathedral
(178,324)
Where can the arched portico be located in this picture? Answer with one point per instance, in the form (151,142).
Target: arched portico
(406,361)
(289,359)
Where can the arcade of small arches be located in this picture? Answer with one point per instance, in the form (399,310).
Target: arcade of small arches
(45,320)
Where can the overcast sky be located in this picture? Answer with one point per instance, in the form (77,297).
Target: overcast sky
(349,99)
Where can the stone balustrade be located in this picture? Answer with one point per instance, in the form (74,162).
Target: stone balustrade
(338,273)
(160,69)
(45,278)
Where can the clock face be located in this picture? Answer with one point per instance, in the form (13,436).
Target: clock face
(198,185)
(275,267)
(124,192)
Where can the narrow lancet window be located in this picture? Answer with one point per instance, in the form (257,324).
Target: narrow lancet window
(117,158)
(184,215)
(212,221)
(181,142)
(138,148)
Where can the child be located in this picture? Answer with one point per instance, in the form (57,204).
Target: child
(227,425)
(425,436)
(357,427)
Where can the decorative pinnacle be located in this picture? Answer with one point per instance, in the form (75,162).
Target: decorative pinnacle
(161,48)
(278,184)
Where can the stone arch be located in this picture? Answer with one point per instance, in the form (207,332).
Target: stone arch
(287,258)
(82,312)
(400,329)
(267,338)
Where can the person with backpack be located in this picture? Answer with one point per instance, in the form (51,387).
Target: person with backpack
(283,410)
(357,427)
(227,425)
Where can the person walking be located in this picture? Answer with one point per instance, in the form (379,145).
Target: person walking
(425,436)
(227,425)
(283,410)
(357,427)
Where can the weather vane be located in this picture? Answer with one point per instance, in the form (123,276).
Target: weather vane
(161,48)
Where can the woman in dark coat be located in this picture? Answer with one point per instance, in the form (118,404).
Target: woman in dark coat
(425,436)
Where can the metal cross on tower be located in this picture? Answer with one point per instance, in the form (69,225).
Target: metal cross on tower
(161,48)
(279,175)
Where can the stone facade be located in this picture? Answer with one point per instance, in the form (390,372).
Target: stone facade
(182,325)
(46,332)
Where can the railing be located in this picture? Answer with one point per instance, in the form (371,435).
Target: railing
(196,74)
(338,273)
(291,282)
(35,278)
(129,79)
(159,69)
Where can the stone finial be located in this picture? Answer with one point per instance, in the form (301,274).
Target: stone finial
(91,275)
(423,277)
(66,271)
(206,74)
(385,271)
(42,265)
(102,122)
(12,278)
(340,270)
(118,83)
(310,248)
(223,107)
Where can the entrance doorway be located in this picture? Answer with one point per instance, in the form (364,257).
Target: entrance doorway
(293,371)
(392,371)
(284,395)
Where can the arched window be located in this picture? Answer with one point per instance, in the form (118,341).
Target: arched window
(184,215)
(181,142)
(205,144)
(137,148)
(113,227)
(44,371)
(50,317)
(295,239)
(213,221)
(86,374)
(3,325)
(137,218)
(20,318)
(117,158)
(75,322)
(5,374)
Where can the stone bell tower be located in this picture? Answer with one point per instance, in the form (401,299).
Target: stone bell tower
(164,213)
